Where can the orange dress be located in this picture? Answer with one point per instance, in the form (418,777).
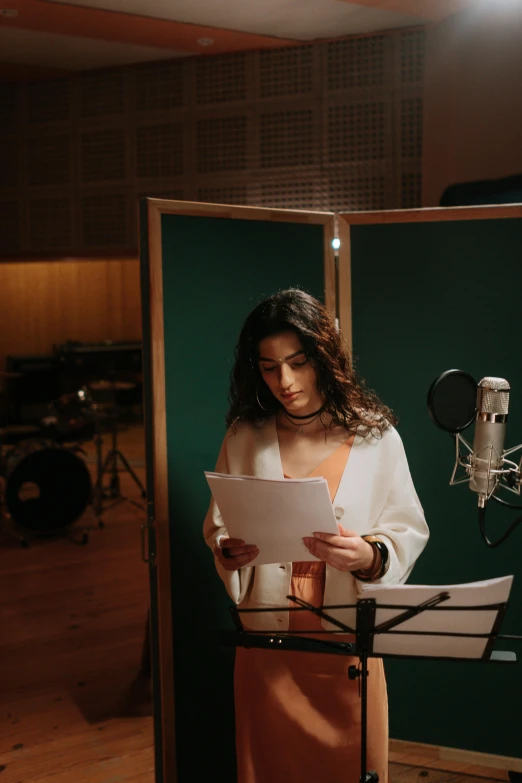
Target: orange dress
(297,713)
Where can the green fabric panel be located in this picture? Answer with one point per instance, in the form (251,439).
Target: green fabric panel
(214,272)
(428,297)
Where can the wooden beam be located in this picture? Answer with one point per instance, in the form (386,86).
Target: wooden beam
(430,10)
(57,16)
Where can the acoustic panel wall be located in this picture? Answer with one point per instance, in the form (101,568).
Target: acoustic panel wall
(338,120)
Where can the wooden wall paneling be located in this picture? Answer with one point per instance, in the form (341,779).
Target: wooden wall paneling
(47,302)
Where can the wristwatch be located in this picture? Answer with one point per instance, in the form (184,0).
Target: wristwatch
(383,550)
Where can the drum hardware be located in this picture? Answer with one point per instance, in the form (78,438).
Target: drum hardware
(44,489)
(107,410)
(12,434)
(45,484)
(70,418)
(10,375)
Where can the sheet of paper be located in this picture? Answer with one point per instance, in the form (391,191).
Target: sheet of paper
(472,594)
(274,514)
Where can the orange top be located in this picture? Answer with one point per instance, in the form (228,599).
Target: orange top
(332,469)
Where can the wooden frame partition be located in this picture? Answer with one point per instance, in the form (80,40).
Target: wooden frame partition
(423,291)
(156,420)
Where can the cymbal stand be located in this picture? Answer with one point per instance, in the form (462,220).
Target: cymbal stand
(111,466)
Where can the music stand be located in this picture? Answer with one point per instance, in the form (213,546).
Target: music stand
(365,632)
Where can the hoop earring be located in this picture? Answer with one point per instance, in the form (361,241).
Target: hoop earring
(259,403)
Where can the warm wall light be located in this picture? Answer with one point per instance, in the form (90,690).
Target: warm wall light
(205,41)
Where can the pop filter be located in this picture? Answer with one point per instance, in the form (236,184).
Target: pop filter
(452,400)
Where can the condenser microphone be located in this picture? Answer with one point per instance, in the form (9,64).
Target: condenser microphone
(455,401)
(487,457)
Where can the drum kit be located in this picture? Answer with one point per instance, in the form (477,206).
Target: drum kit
(45,483)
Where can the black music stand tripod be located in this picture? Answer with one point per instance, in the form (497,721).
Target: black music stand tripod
(365,632)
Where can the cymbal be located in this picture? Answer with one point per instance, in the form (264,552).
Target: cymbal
(111,385)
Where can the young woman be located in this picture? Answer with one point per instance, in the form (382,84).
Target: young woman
(297,410)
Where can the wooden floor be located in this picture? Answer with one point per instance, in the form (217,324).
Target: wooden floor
(72,625)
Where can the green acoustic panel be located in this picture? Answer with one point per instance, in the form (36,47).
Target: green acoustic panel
(214,272)
(428,297)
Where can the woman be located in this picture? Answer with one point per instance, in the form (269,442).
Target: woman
(297,410)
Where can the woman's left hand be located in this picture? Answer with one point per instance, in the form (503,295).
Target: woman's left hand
(346,552)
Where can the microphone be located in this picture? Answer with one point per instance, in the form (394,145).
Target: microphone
(455,401)
(487,457)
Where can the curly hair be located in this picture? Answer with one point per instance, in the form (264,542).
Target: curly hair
(349,403)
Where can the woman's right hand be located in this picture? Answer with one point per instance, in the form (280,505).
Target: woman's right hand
(233,553)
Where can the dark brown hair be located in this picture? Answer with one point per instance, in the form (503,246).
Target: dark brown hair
(346,397)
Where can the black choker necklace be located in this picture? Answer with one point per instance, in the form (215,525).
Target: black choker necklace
(293,416)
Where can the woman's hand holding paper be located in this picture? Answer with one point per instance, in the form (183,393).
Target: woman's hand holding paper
(233,553)
(346,551)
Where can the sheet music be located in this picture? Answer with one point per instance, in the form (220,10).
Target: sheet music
(472,594)
(274,514)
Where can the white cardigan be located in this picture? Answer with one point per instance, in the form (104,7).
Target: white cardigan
(375,494)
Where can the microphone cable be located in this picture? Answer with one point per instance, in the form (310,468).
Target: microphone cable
(482,524)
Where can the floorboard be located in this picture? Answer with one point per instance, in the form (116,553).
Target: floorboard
(73,620)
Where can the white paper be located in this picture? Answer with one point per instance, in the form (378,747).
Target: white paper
(274,514)
(485,593)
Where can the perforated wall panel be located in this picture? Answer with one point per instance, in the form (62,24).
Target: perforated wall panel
(176,195)
(303,193)
(286,72)
(221,79)
(412,48)
(9,107)
(409,118)
(101,93)
(159,150)
(105,221)
(411,189)
(287,138)
(9,163)
(48,160)
(332,126)
(359,132)
(358,190)
(10,228)
(158,86)
(50,224)
(221,144)
(358,63)
(103,155)
(49,101)
(231,194)
(411,128)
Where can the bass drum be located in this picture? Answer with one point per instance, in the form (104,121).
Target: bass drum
(47,487)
